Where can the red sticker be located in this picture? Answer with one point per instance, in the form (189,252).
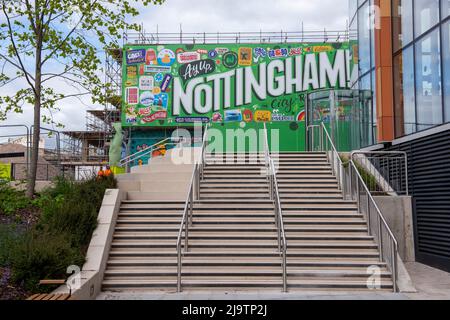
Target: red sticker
(156,116)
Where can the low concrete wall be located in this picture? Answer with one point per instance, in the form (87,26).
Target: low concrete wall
(399,216)
(97,256)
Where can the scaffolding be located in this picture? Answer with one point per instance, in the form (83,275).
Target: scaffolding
(263,37)
(92,145)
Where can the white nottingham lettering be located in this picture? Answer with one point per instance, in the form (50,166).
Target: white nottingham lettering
(280,77)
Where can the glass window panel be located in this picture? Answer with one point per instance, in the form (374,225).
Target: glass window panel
(446,57)
(372,35)
(426,15)
(409,96)
(364,38)
(374,108)
(402,23)
(445,11)
(428,81)
(398,96)
(353,7)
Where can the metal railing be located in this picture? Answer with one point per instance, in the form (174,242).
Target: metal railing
(377,225)
(125,162)
(325,143)
(262,37)
(388,168)
(275,196)
(193,194)
(354,188)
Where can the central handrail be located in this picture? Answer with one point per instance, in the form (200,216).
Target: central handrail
(275,196)
(353,186)
(193,194)
(127,159)
(148,150)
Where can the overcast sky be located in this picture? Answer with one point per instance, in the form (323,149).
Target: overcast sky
(214,16)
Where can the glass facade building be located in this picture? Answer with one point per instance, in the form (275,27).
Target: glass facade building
(420,57)
(412,86)
(361,18)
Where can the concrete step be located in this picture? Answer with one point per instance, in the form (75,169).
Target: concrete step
(238,214)
(266,221)
(251,248)
(131,250)
(231,228)
(227,261)
(169,238)
(244,284)
(233,272)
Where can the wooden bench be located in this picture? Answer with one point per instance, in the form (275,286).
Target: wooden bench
(50,296)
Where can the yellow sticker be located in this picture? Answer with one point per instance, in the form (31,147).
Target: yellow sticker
(322,48)
(156,90)
(245,56)
(263,116)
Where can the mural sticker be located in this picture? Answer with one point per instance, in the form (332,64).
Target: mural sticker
(181,84)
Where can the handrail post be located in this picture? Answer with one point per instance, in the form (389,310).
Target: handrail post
(284,271)
(394,265)
(368,213)
(178,268)
(380,235)
(186,234)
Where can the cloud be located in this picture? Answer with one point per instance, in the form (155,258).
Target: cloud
(249,15)
(212,16)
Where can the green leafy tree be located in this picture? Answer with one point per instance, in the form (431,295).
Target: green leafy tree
(46,41)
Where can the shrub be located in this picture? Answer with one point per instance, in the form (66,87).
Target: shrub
(60,239)
(12,200)
(40,256)
(9,236)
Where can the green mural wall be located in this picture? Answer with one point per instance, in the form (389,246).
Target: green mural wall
(234,87)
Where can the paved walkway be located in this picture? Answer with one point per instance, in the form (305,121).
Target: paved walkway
(429,282)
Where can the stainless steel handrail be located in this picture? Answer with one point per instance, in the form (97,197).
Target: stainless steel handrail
(279,222)
(380,225)
(193,194)
(146,151)
(397,188)
(348,185)
(275,196)
(337,166)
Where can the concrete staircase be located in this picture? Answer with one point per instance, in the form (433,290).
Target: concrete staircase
(233,240)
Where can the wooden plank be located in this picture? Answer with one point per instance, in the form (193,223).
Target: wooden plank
(41,296)
(33,297)
(51,282)
(64,297)
(55,297)
(48,297)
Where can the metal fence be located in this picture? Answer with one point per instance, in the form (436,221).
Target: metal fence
(49,172)
(386,171)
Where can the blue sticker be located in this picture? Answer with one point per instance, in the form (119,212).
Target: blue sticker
(161,100)
(212,54)
(166,82)
(159,77)
(136,56)
(192,120)
(233,116)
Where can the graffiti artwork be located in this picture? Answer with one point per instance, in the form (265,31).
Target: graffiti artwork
(178,85)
